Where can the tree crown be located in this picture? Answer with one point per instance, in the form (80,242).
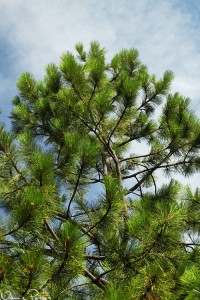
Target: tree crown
(84,218)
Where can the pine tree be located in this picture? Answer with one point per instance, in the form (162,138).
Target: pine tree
(83,214)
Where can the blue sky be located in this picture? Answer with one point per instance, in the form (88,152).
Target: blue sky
(35,33)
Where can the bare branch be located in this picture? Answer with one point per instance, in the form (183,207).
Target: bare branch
(52,231)
(95,257)
(98,281)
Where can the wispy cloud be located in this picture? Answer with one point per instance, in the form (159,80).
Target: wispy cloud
(40,30)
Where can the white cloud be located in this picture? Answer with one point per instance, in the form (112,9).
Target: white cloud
(41,30)
(163,31)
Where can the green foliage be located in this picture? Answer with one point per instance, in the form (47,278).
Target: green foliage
(81,217)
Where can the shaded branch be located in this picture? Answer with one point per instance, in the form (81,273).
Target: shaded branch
(95,257)
(117,124)
(75,189)
(18,227)
(98,281)
(136,137)
(62,216)
(148,174)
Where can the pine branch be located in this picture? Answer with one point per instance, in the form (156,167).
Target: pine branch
(15,166)
(28,284)
(105,272)
(62,216)
(77,92)
(117,124)
(61,267)
(118,169)
(145,102)
(136,137)
(75,188)
(154,182)
(140,187)
(148,174)
(146,169)
(89,108)
(98,281)
(17,227)
(149,249)
(144,155)
(75,286)
(92,94)
(95,257)
(52,231)
(101,219)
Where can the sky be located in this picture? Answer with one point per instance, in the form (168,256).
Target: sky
(35,33)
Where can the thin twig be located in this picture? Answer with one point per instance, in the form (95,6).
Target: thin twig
(75,188)
(52,231)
